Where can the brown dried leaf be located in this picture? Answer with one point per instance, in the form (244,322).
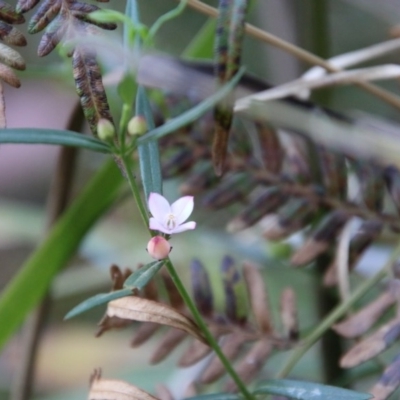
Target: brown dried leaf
(190,391)
(89,85)
(9,14)
(388,382)
(258,297)
(163,393)
(11,35)
(321,239)
(175,299)
(197,350)
(11,57)
(289,314)
(373,345)
(47,11)
(363,320)
(167,344)
(52,37)
(145,331)
(107,389)
(252,362)
(231,348)
(271,149)
(135,308)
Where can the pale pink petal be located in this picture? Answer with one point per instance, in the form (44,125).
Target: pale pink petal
(184,227)
(155,225)
(159,206)
(182,208)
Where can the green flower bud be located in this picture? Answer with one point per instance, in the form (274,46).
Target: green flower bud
(105,130)
(137,125)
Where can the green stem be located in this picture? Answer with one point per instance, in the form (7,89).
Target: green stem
(181,288)
(338,312)
(204,328)
(136,192)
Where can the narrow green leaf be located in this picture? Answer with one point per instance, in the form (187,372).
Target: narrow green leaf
(52,136)
(140,278)
(308,390)
(194,113)
(215,396)
(149,155)
(97,300)
(36,274)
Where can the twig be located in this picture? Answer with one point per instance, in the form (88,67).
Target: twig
(56,203)
(300,53)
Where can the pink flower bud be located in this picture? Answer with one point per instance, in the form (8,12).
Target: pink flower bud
(158,247)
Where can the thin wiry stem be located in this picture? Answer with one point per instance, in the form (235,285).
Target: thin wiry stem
(300,53)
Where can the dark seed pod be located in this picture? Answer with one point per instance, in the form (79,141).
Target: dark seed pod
(263,204)
(271,150)
(179,162)
(322,238)
(202,292)
(232,189)
(371,185)
(388,382)
(294,215)
(333,172)
(201,178)
(235,299)
(90,87)
(392,179)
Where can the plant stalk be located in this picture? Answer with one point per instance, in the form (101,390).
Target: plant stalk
(204,328)
(182,291)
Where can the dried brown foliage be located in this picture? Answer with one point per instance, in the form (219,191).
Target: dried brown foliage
(250,341)
(112,389)
(70,21)
(376,342)
(9,58)
(283,182)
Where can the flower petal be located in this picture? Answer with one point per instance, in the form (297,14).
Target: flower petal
(182,208)
(156,225)
(159,206)
(184,227)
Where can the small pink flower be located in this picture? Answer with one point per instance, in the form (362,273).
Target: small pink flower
(169,218)
(158,247)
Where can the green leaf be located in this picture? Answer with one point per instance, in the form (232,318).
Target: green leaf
(36,274)
(308,391)
(201,46)
(97,300)
(149,155)
(140,278)
(52,136)
(194,113)
(215,396)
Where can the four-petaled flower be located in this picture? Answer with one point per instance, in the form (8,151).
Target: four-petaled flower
(169,218)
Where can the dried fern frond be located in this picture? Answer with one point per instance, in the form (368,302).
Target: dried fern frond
(377,341)
(251,340)
(9,58)
(59,19)
(70,21)
(89,85)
